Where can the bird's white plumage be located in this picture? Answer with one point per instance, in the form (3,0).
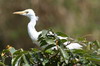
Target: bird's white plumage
(32,31)
(34,34)
(70,45)
(74,46)
(31,25)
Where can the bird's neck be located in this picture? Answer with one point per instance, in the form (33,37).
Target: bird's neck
(32,30)
(33,20)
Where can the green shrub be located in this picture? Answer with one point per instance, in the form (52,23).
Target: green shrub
(89,55)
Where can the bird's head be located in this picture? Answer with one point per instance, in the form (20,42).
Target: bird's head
(28,12)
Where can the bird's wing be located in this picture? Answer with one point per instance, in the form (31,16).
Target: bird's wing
(74,46)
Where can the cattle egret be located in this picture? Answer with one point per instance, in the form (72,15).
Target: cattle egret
(33,32)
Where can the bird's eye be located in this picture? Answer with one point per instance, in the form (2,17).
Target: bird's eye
(27,12)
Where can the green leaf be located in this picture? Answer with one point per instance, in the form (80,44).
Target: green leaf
(25,64)
(33,58)
(63,40)
(17,52)
(42,43)
(45,61)
(49,46)
(97,43)
(44,33)
(61,34)
(5,51)
(50,41)
(16,60)
(97,59)
(64,54)
(25,60)
(79,51)
(49,51)
(2,64)
(98,51)
(34,49)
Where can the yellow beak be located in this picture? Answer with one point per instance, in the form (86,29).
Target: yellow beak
(19,12)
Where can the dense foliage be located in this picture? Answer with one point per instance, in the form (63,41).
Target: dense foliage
(89,55)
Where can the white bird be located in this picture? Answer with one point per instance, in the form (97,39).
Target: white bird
(33,32)
(31,25)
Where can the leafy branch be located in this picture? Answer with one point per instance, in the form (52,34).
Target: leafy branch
(53,52)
